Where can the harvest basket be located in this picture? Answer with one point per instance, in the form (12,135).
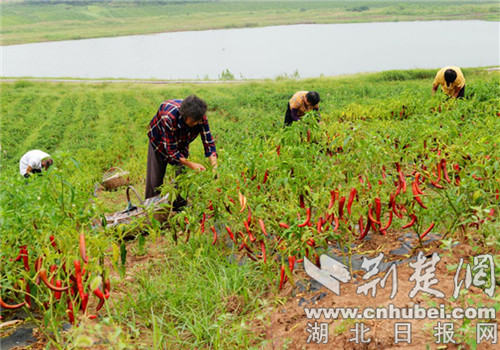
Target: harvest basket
(159,206)
(115,177)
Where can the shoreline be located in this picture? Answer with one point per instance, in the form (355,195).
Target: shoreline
(210,82)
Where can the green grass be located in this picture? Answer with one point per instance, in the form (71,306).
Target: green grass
(26,22)
(180,298)
(213,306)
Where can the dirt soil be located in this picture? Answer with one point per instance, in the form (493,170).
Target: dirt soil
(289,324)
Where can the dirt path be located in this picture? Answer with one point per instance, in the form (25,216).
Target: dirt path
(289,325)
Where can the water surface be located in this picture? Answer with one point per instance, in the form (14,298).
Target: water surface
(311,50)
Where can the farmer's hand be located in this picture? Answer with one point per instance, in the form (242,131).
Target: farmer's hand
(197,167)
(192,165)
(213,161)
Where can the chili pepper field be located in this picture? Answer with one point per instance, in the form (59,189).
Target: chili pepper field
(388,163)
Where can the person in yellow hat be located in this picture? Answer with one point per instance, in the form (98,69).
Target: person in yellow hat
(452,82)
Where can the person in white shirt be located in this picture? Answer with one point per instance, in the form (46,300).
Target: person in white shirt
(33,161)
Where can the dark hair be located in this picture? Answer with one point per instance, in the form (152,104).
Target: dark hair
(193,107)
(47,162)
(313,97)
(449,76)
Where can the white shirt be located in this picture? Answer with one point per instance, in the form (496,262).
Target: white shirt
(32,159)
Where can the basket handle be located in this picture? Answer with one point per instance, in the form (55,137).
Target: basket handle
(136,194)
(110,170)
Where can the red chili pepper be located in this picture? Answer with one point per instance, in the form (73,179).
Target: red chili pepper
(249,217)
(370,215)
(282,276)
(83,250)
(85,300)
(71,316)
(98,293)
(336,224)
(57,295)
(416,183)
(27,295)
(435,184)
(360,226)
(308,218)
(291,262)
(202,223)
(78,276)
(231,235)
(427,231)
(332,199)
(438,173)
(445,172)
(388,223)
(53,242)
(214,235)
(392,199)
(43,277)
(38,266)
(351,199)
(341,207)
(262,227)
(399,215)
(301,201)
(368,183)
(19,256)
(252,238)
(498,194)
(92,317)
(378,208)
(24,256)
(266,174)
(11,306)
(100,305)
(416,195)
(283,225)
(398,187)
(318,225)
(263,249)
(412,222)
(278,150)
(402,181)
(367,228)
(311,242)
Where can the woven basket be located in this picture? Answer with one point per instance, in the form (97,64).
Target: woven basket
(114,178)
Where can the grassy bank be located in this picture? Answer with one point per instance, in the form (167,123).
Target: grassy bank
(27,22)
(182,286)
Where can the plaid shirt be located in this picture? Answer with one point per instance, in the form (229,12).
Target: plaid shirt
(170,136)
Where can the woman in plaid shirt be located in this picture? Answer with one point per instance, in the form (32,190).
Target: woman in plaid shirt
(176,124)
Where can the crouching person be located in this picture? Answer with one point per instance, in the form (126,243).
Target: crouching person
(33,162)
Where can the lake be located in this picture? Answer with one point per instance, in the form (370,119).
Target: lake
(268,52)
